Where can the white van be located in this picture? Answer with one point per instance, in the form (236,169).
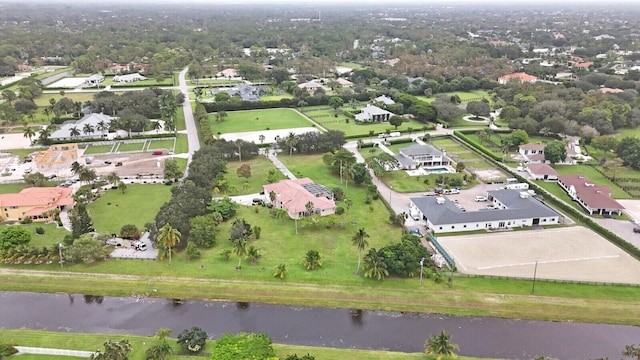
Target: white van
(139,245)
(480,198)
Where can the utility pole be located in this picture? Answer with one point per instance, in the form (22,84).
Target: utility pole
(535,270)
(421,267)
(60,254)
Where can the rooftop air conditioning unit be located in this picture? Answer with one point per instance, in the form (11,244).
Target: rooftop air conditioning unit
(440,200)
(524,194)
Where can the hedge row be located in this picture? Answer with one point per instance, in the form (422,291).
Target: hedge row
(205,133)
(476,146)
(282,103)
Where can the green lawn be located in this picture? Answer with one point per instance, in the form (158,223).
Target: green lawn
(326,118)
(137,206)
(91,342)
(98,149)
(180,124)
(130,147)
(182,144)
(275,97)
(260,165)
(161,144)
(52,234)
(43,100)
(255,120)
(11,188)
(465,96)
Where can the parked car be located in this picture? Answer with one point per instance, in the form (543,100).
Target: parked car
(257,201)
(157,152)
(636,230)
(52,176)
(119,163)
(139,245)
(479,198)
(28,170)
(107,162)
(491,207)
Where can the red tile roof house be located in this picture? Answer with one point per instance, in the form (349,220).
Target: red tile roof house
(517,76)
(596,199)
(34,202)
(294,195)
(540,171)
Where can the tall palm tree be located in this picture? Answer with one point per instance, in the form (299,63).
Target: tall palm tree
(87,174)
(359,240)
(29,133)
(113,178)
(440,345)
(291,141)
(281,214)
(76,168)
(88,129)
(261,138)
(102,126)
(374,265)
(74,132)
(47,112)
(312,260)
(157,126)
(122,186)
(168,108)
(240,248)
(167,238)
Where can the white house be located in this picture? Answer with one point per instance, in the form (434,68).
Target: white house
(418,155)
(372,113)
(310,86)
(539,171)
(512,209)
(92,121)
(128,78)
(384,100)
(596,199)
(94,80)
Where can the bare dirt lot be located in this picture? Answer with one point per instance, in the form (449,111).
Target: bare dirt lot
(132,164)
(569,253)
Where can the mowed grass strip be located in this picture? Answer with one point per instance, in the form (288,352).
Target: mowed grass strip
(255,120)
(130,146)
(350,127)
(98,149)
(260,167)
(137,206)
(52,234)
(161,144)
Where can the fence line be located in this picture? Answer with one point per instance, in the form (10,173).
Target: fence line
(443,252)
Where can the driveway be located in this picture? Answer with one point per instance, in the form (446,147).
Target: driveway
(192,130)
(128,252)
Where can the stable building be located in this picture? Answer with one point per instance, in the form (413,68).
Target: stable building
(511,209)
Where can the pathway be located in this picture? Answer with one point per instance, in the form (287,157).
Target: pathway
(50,351)
(192,130)
(66,222)
(272,155)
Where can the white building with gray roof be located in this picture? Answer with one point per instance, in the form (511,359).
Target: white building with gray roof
(512,209)
(98,123)
(418,155)
(372,113)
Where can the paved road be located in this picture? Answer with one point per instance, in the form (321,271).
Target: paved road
(192,130)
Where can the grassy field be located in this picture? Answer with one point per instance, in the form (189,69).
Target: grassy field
(182,144)
(180,124)
(260,166)
(11,188)
(161,144)
(98,149)
(275,97)
(43,100)
(137,206)
(239,121)
(130,147)
(326,117)
(52,234)
(465,96)
(91,342)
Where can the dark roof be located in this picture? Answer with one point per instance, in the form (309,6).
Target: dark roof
(419,149)
(404,161)
(517,208)
(317,189)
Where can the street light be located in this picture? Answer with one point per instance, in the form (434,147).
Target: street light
(60,253)
(421,267)
(390,189)
(535,270)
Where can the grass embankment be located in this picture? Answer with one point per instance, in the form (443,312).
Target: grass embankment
(138,205)
(256,120)
(91,342)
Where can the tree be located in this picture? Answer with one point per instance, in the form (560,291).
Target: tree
(224,207)
(203,230)
(88,129)
(113,351)
(36,179)
(605,143)
(74,132)
(158,351)
(87,175)
(629,151)
(129,231)
(303,357)
(102,126)
(374,265)
(113,178)
(244,171)
(29,133)
(122,187)
(309,207)
(312,260)
(280,271)
(261,138)
(191,251)
(240,248)
(396,121)
(7,350)
(239,143)
(14,236)
(221,115)
(361,174)
(76,168)
(336,102)
(86,249)
(291,141)
(519,137)
(440,345)
(80,220)
(359,240)
(240,229)
(632,351)
(9,96)
(193,339)
(243,346)
(167,239)
(171,169)
(613,166)
(555,152)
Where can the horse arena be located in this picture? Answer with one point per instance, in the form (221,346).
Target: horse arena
(569,253)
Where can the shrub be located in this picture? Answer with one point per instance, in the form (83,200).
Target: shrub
(26,220)
(39,230)
(339,210)
(193,339)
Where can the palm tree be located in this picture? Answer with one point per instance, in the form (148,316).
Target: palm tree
(168,108)
(440,345)
(158,351)
(239,144)
(253,253)
(74,132)
(374,265)
(76,168)
(281,214)
(29,133)
(281,271)
(87,175)
(47,112)
(157,126)
(359,240)
(312,260)
(261,138)
(291,142)
(309,207)
(102,126)
(240,248)
(167,238)
(113,178)
(88,129)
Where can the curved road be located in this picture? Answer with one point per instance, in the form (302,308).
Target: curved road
(192,130)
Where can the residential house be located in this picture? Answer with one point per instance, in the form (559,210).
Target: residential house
(606,90)
(344,82)
(385,100)
(372,113)
(117,68)
(540,171)
(244,91)
(128,78)
(511,209)
(532,153)
(419,155)
(57,157)
(294,195)
(94,80)
(36,203)
(94,120)
(596,199)
(522,77)
(310,86)
(227,73)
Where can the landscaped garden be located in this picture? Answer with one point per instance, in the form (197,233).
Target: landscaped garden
(256,120)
